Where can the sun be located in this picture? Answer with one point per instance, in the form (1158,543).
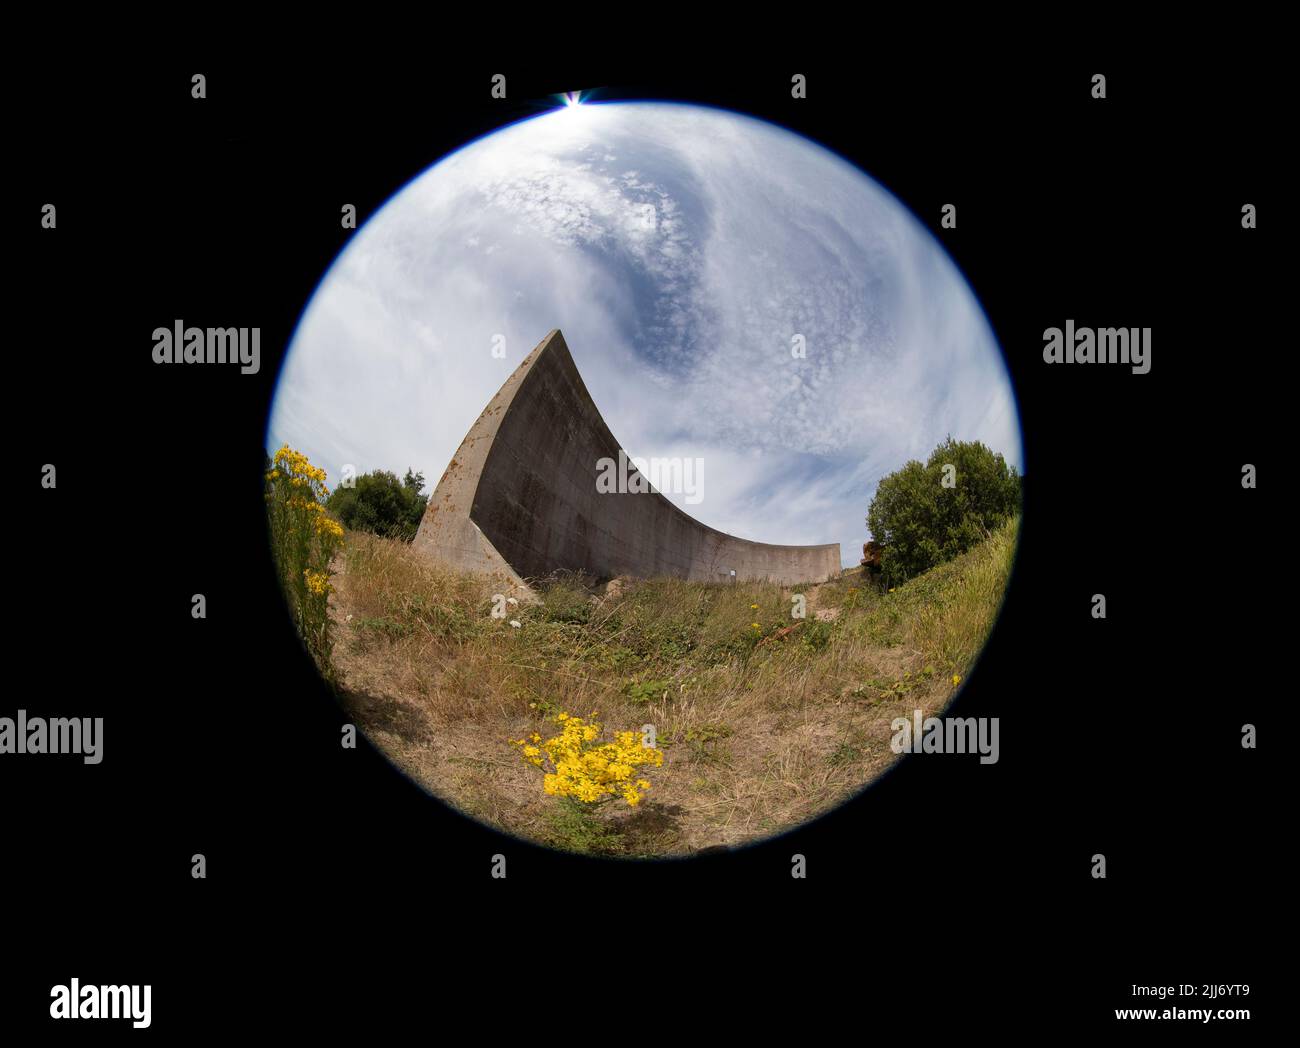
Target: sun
(572,100)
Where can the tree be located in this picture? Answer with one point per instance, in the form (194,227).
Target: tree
(378,502)
(414,483)
(923,515)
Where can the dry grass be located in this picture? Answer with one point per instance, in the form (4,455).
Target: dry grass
(761,729)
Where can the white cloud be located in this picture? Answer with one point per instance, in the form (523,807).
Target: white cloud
(679,250)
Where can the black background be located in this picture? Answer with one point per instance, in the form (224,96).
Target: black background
(947,890)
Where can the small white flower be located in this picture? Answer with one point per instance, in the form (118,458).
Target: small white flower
(515,623)
(349,618)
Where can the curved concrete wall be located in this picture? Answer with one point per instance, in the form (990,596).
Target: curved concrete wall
(519,499)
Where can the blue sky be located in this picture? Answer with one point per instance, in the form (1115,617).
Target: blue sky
(679,249)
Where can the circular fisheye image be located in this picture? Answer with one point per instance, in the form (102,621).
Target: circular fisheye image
(643,477)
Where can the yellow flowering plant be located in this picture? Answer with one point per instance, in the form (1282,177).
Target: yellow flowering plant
(304,539)
(578,766)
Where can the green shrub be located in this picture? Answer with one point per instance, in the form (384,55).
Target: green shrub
(921,523)
(643,691)
(578,827)
(816,635)
(380,503)
(565,599)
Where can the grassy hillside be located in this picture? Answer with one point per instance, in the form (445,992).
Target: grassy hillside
(764,720)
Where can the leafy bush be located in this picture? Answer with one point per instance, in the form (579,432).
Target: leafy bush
(816,635)
(921,523)
(576,826)
(642,691)
(564,598)
(380,503)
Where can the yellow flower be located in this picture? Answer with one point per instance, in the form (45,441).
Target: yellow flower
(317,581)
(956,679)
(582,768)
